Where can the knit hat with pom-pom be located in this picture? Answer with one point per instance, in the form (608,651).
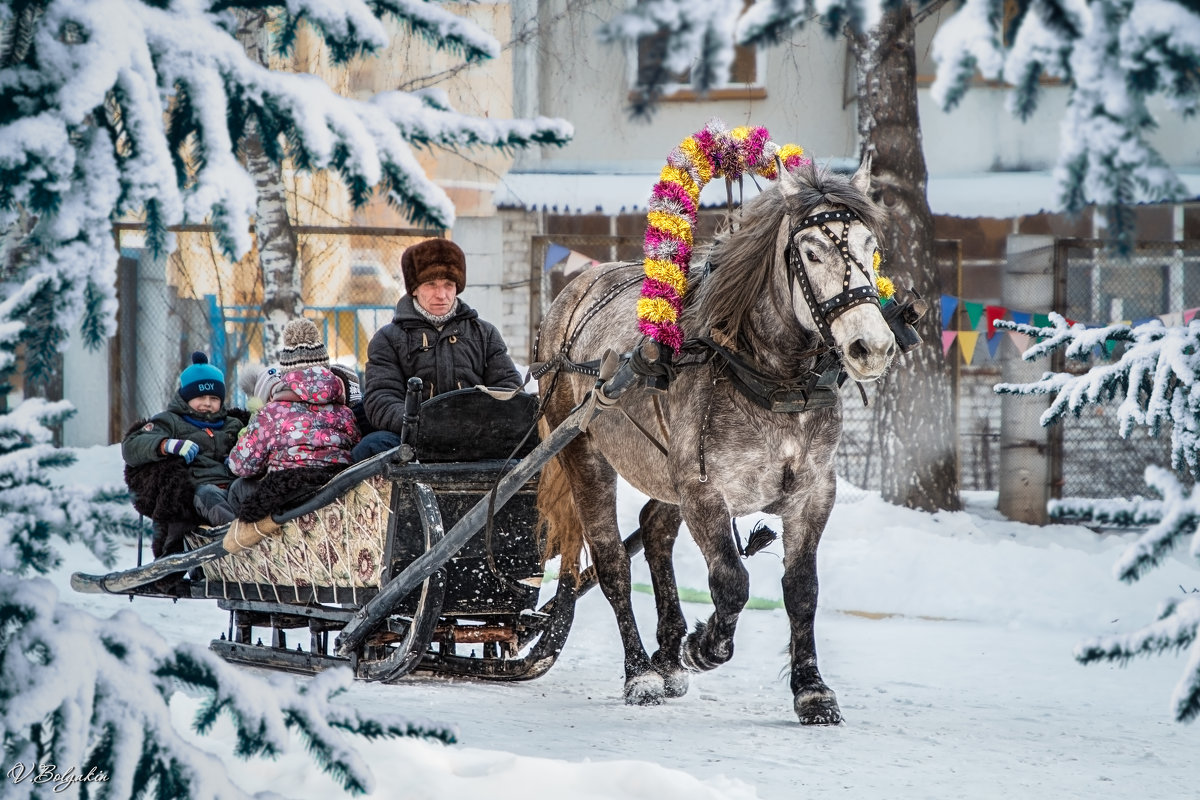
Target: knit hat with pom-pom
(302,346)
(201,379)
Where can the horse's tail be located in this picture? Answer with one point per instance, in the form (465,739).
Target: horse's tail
(558,516)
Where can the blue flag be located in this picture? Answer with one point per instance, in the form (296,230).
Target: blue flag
(949,303)
(554,254)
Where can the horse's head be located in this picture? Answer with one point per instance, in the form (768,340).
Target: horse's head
(829,242)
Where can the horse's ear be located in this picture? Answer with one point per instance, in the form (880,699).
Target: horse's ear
(862,177)
(788,184)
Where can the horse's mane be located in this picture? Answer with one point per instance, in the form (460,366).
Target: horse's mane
(741,262)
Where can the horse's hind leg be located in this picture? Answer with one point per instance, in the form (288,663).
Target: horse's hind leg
(594,488)
(659,523)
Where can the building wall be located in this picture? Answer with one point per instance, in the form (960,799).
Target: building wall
(809,88)
(518,228)
(588,83)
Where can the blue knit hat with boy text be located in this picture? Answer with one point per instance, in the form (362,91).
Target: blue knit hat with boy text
(201,378)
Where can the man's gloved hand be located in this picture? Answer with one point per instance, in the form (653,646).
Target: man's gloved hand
(182,448)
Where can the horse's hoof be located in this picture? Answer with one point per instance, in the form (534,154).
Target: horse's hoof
(646,689)
(818,708)
(698,657)
(675,684)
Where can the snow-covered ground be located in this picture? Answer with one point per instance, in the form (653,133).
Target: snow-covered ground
(947,637)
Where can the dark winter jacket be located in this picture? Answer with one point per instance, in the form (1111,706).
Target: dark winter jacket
(312,428)
(466,352)
(216,438)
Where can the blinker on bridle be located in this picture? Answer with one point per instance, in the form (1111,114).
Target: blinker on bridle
(824,313)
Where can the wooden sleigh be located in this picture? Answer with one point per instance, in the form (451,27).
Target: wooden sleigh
(426,557)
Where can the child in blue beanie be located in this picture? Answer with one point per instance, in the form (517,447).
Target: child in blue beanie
(175,461)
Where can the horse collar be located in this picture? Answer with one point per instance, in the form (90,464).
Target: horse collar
(817,389)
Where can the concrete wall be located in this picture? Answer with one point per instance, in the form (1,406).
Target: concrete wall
(85,384)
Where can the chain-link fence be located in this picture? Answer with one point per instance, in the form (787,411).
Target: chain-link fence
(1154,280)
(196,299)
(977,408)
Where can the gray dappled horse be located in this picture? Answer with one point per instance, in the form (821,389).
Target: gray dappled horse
(711,448)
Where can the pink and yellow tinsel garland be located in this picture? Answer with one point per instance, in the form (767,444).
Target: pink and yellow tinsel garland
(712,152)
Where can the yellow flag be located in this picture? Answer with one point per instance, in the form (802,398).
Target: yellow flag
(966,344)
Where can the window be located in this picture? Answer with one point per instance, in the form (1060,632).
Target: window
(744,73)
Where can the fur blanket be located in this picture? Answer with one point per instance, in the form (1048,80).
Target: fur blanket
(285,489)
(162,490)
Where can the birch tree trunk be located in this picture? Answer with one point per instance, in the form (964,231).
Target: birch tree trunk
(915,418)
(275,239)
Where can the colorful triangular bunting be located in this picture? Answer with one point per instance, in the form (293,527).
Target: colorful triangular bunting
(993,313)
(949,303)
(554,254)
(1020,341)
(974,312)
(966,344)
(947,340)
(993,344)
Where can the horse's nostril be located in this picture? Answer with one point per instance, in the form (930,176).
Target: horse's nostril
(858,350)
(891,351)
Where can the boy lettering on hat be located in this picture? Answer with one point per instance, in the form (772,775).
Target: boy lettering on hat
(175,461)
(434,336)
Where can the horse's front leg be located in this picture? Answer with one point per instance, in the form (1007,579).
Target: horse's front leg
(814,702)
(711,643)
(659,524)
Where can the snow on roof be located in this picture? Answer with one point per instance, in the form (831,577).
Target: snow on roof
(992,194)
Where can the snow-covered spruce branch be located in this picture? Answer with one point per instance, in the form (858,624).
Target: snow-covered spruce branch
(34,510)
(966,42)
(1116,511)
(83,136)
(353,27)
(79,690)
(431,22)
(698,37)
(1155,378)
(1180,518)
(1175,629)
(1114,56)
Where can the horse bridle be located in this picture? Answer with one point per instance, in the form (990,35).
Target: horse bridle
(824,313)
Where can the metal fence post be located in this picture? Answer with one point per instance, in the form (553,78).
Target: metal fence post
(1025,463)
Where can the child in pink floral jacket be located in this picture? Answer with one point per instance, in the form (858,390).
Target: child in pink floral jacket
(307,424)
(305,429)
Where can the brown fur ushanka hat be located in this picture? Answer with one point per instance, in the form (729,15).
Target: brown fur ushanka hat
(432,260)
